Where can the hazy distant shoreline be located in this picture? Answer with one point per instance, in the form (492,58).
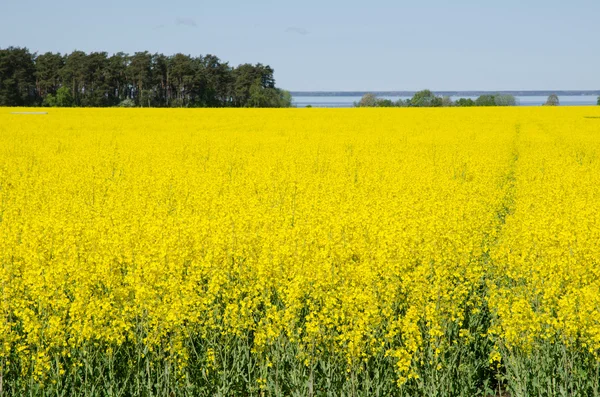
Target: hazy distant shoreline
(444,93)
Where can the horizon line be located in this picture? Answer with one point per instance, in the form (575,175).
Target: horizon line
(442,92)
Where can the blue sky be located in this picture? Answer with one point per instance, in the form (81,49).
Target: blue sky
(339,45)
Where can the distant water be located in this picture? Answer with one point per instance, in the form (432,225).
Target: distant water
(348,101)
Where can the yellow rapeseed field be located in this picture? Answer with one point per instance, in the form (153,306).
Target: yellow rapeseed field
(300,251)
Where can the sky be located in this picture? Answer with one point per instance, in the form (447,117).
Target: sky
(338,45)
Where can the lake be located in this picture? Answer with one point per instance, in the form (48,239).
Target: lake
(348,101)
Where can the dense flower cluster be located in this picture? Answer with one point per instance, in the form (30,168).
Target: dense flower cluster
(156,250)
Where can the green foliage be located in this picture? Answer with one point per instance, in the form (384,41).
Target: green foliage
(285,98)
(385,103)
(127,103)
(47,73)
(146,98)
(177,103)
(149,80)
(261,97)
(447,101)
(62,99)
(426,98)
(248,81)
(496,100)
(552,100)
(49,101)
(550,370)
(464,102)
(371,101)
(598,101)
(505,100)
(486,100)
(17,77)
(367,101)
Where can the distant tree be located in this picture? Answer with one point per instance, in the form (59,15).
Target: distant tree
(385,103)
(219,81)
(261,97)
(402,103)
(182,69)
(277,98)
(96,84)
(447,101)
(96,79)
(74,75)
(49,101)
(160,80)
(139,75)
(367,101)
(147,98)
(119,87)
(285,98)
(598,101)
(552,100)
(62,99)
(258,97)
(47,73)
(505,100)
(464,102)
(246,77)
(486,100)
(308,106)
(425,98)
(496,100)
(127,103)
(17,77)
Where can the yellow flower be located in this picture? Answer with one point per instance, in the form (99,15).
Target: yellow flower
(355,234)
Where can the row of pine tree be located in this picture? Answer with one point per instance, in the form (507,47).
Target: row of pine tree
(98,79)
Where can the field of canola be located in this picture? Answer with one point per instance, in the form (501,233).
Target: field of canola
(304,252)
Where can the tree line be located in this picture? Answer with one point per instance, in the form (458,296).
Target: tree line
(426,98)
(98,79)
